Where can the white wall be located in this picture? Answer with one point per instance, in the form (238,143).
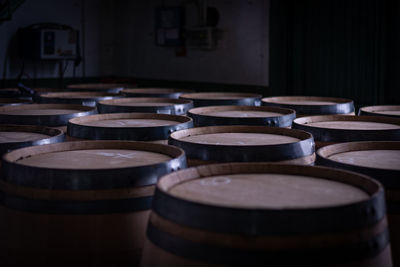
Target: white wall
(61,11)
(242,59)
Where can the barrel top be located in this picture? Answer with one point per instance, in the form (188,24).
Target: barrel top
(78,95)
(370,154)
(94,86)
(43,109)
(252,186)
(305,100)
(14,136)
(219,95)
(384,109)
(344,122)
(144,101)
(152,90)
(13,100)
(240,111)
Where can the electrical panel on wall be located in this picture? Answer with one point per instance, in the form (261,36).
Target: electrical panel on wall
(49,42)
(169,22)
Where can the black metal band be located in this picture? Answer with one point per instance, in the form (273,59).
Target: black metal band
(125,133)
(285,257)
(207,120)
(340,108)
(47,120)
(347,135)
(176,109)
(69,179)
(389,178)
(271,222)
(74,206)
(248,101)
(227,153)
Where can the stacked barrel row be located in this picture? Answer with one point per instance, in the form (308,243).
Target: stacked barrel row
(88,202)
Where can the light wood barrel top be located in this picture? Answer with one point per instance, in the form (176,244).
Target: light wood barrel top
(305,100)
(274,191)
(243,114)
(94,159)
(43,109)
(13,136)
(34,112)
(353,125)
(393,110)
(240,139)
(240,111)
(152,90)
(219,95)
(94,86)
(78,95)
(130,123)
(143,102)
(381,159)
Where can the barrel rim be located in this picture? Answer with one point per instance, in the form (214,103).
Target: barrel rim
(339,100)
(115,102)
(93,86)
(78,95)
(155,90)
(80,108)
(81,179)
(193,96)
(372,110)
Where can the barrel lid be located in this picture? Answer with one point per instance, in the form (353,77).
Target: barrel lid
(144,102)
(243,143)
(43,109)
(152,90)
(97,86)
(219,96)
(13,101)
(306,100)
(78,95)
(384,110)
(91,164)
(240,111)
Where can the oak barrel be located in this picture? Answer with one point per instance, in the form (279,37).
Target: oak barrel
(380,160)
(8,101)
(155,92)
(311,105)
(242,115)
(250,214)
(98,87)
(145,104)
(332,129)
(80,203)
(127,126)
(18,136)
(43,114)
(79,98)
(204,145)
(385,110)
(222,98)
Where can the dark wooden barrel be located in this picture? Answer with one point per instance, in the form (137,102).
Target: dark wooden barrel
(222,98)
(388,111)
(97,87)
(242,115)
(267,215)
(155,92)
(145,104)
(331,129)
(311,105)
(79,98)
(18,136)
(80,203)
(380,160)
(10,92)
(204,145)
(127,126)
(43,114)
(8,101)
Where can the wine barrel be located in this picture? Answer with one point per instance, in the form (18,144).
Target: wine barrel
(13,101)
(242,115)
(18,136)
(145,104)
(222,98)
(127,126)
(311,105)
(389,111)
(80,203)
(204,145)
(380,160)
(155,92)
(10,92)
(97,87)
(43,114)
(79,98)
(332,129)
(251,214)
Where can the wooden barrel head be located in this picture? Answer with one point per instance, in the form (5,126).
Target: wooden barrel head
(13,101)
(127,126)
(222,98)
(80,98)
(102,87)
(389,111)
(43,114)
(242,115)
(311,105)
(342,128)
(145,104)
(155,92)
(243,143)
